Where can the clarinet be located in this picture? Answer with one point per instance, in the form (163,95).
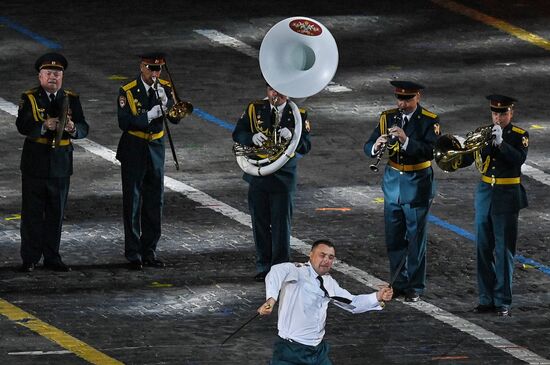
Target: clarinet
(397,122)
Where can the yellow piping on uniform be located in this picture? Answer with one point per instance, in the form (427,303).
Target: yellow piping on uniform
(131,103)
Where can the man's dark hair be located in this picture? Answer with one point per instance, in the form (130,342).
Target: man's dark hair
(323,241)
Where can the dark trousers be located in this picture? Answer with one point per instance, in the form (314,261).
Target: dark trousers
(271,224)
(43,206)
(496,236)
(142,197)
(407,234)
(294,353)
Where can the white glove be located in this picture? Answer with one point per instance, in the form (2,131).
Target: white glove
(285,133)
(258,139)
(497,132)
(162,95)
(154,113)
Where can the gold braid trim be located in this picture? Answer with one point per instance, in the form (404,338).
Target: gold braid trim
(131,102)
(252,117)
(34,107)
(481,165)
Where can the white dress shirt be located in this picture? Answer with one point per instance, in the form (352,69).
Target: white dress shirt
(302,303)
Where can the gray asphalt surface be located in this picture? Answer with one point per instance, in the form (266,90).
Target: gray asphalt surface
(180,315)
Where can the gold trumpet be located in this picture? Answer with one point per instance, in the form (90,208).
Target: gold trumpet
(448,151)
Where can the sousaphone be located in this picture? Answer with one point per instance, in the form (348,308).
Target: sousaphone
(298,58)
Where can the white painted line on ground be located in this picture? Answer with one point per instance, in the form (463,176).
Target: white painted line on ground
(371,281)
(35,353)
(535,174)
(353,272)
(8,107)
(242,47)
(228,41)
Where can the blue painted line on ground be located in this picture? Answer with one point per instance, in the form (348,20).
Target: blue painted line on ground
(461,232)
(451,227)
(431,218)
(210,118)
(21,29)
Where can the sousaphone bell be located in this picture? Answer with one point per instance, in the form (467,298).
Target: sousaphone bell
(298,58)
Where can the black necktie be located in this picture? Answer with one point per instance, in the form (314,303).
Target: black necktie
(152,97)
(52,108)
(273,116)
(340,299)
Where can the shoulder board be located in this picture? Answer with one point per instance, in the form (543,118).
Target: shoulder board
(129,85)
(258,102)
(518,130)
(428,113)
(165,83)
(390,111)
(31,91)
(70,92)
(302,110)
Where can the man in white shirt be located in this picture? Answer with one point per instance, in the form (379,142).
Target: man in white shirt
(304,291)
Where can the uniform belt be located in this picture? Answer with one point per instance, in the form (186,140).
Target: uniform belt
(147,135)
(500,180)
(44,140)
(418,166)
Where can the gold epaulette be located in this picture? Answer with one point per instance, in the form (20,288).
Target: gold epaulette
(390,111)
(302,110)
(31,91)
(129,85)
(70,92)
(429,113)
(165,83)
(518,130)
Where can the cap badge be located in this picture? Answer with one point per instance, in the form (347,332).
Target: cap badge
(305,27)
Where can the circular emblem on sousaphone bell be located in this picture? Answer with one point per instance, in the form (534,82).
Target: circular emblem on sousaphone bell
(305,27)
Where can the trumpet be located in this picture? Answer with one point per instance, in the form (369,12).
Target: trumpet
(397,122)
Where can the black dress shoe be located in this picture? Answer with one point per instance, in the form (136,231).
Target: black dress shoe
(260,276)
(503,312)
(59,266)
(135,265)
(484,308)
(153,263)
(397,293)
(412,296)
(26,267)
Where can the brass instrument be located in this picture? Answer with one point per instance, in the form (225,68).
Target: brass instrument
(180,109)
(448,150)
(298,58)
(271,149)
(63,119)
(397,122)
